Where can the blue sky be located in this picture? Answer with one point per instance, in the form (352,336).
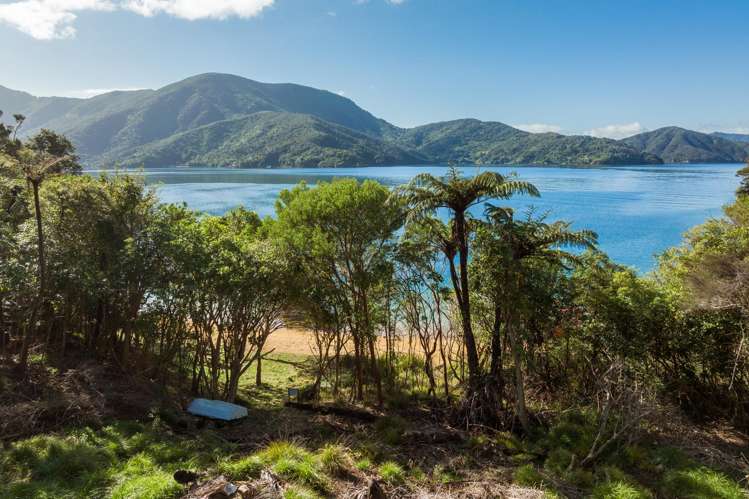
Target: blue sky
(594,66)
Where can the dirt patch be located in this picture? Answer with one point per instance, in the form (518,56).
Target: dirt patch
(51,398)
(299,341)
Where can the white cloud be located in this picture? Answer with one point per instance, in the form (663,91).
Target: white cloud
(617,131)
(198,9)
(54,19)
(48,19)
(539,127)
(341,93)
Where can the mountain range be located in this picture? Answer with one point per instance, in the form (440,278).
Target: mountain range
(224,120)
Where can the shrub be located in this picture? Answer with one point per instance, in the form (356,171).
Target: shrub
(528,476)
(700,483)
(509,442)
(52,457)
(619,490)
(335,459)
(304,471)
(522,458)
(416,474)
(363,464)
(443,476)
(391,472)
(558,461)
(616,484)
(292,462)
(574,432)
(282,449)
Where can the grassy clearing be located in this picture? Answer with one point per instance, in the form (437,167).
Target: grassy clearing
(279,372)
(123,460)
(132,460)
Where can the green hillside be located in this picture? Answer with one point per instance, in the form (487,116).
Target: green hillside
(735,137)
(268,139)
(121,121)
(677,145)
(474,141)
(223,120)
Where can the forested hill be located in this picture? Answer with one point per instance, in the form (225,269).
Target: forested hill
(736,137)
(225,120)
(480,142)
(267,138)
(677,145)
(112,126)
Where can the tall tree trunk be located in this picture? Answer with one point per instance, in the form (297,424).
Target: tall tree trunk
(440,338)
(465,303)
(40,241)
(519,383)
(358,349)
(24,356)
(376,372)
(496,352)
(39,305)
(259,371)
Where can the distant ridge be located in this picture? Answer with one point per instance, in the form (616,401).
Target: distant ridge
(218,119)
(678,145)
(736,137)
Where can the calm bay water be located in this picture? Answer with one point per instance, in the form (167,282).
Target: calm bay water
(638,211)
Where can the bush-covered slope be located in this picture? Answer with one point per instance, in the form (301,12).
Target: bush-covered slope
(125,126)
(126,120)
(735,137)
(474,141)
(677,145)
(267,139)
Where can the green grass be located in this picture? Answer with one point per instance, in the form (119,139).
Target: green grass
(123,460)
(289,460)
(335,459)
(444,476)
(661,470)
(527,476)
(133,460)
(700,483)
(619,490)
(245,468)
(613,483)
(297,492)
(363,464)
(153,485)
(277,377)
(391,472)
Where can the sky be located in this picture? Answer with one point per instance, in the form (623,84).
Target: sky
(601,67)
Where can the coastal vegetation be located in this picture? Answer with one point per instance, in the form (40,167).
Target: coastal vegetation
(225,120)
(677,145)
(456,347)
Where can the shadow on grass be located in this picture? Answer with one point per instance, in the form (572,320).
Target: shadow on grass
(125,459)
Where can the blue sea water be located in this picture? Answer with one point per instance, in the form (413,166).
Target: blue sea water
(637,211)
